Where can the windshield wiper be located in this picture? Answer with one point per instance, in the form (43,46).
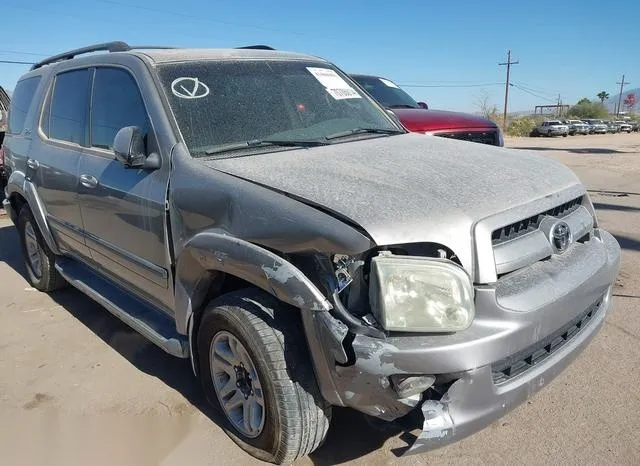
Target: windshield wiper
(264,142)
(351,132)
(401,106)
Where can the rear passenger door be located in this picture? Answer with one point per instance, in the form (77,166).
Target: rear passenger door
(123,209)
(57,154)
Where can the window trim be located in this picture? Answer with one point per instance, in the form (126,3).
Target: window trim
(99,151)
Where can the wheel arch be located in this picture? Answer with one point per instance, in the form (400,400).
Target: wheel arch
(211,256)
(21,191)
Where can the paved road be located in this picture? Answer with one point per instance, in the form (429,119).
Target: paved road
(77,387)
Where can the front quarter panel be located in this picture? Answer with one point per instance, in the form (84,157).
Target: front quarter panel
(221,223)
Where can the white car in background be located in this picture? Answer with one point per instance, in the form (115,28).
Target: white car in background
(596,126)
(577,127)
(624,127)
(553,128)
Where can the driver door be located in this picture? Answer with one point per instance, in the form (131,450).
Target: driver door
(123,209)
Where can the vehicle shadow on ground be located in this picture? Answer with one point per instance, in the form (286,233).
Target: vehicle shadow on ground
(351,435)
(616,207)
(577,150)
(627,242)
(605,192)
(127,342)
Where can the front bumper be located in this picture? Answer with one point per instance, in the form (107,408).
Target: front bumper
(474,400)
(513,317)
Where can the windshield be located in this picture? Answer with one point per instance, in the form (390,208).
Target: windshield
(386,92)
(227,105)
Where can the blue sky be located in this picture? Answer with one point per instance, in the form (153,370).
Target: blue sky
(572,47)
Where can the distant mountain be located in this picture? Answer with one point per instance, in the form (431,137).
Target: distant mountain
(612,101)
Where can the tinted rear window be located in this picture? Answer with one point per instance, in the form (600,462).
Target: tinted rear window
(20,103)
(69,104)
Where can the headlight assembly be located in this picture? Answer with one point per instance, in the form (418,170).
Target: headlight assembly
(418,294)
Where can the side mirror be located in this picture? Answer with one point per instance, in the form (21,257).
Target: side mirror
(129,148)
(423,105)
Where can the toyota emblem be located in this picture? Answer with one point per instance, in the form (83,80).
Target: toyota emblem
(560,237)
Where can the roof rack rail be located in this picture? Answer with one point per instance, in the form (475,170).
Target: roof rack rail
(257,47)
(116,46)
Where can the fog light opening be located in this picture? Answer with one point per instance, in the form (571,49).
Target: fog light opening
(407,386)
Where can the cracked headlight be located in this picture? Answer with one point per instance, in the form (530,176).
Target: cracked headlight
(417,294)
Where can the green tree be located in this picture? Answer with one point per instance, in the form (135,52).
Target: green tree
(603,95)
(587,109)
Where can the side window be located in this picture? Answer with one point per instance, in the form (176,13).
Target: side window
(116,103)
(69,105)
(20,103)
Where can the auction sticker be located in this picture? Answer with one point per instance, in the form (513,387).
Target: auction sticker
(337,87)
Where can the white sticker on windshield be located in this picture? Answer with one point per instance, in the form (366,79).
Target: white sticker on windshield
(386,82)
(189,88)
(337,87)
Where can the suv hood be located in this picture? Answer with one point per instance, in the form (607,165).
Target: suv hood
(408,188)
(418,119)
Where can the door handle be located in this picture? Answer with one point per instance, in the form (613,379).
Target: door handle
(33,164)
(88,181)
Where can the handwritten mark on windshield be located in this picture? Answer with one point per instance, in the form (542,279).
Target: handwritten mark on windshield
(189,88)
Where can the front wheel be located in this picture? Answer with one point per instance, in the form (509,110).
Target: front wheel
(255,368)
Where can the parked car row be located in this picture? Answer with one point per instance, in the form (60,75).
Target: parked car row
(587,126)
(4,118)
(306,250)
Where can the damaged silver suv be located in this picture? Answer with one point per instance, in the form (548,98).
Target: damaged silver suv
(256,212)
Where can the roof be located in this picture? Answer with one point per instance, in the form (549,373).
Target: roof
(360,75)
(163,54)
(175,55)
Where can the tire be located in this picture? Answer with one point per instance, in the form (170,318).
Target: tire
(38,258)
(295,416)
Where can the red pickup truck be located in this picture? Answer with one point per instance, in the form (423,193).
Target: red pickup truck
(416,116)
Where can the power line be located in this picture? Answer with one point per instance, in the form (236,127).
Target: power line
(17,52)
(533,93)
(13,62)
(508,63)
(538,90)
(199,18)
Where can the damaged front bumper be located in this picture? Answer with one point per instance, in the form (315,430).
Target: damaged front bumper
(529,326)
(475,400)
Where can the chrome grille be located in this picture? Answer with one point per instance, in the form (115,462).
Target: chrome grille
(519,363)
(482,137)
(522,227)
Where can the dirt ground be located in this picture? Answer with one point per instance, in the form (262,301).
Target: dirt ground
(77,387)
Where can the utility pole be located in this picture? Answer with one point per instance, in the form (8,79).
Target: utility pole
(559,107)
(622,83)
(506,88)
